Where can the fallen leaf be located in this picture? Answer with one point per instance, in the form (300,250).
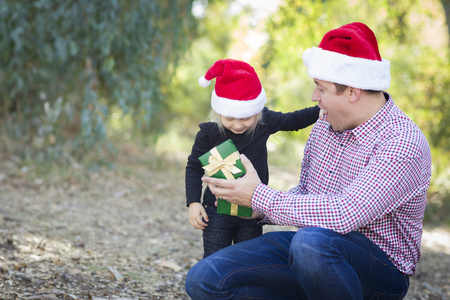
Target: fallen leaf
(171,265)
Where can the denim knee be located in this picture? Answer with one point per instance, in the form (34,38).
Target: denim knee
(195,282)
(309,238)
(307,250)
(191,280)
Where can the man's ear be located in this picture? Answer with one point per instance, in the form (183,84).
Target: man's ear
(354,94)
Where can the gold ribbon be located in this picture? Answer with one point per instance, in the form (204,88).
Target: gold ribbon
(234,209)
(226,165)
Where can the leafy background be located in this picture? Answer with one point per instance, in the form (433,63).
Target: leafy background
(81,78)
(99,106)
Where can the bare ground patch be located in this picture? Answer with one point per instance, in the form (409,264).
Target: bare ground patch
(125,235)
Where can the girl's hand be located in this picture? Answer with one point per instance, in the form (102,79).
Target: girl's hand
(322,114)
(196,213)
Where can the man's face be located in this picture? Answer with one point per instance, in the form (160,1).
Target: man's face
(336,106)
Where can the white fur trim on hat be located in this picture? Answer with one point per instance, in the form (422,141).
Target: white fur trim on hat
(339,68)
(238,109)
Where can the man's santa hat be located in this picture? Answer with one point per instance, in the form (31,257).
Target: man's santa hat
(349,56)
(238,92)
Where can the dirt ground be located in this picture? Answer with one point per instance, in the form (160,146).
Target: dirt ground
(125,235)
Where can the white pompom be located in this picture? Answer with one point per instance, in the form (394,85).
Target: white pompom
(203,82)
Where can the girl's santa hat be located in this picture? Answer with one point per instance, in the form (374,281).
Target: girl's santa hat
(349,56)
(238,92)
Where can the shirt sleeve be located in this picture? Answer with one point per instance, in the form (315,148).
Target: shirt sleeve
(291,121)
(194,170)
(393,176)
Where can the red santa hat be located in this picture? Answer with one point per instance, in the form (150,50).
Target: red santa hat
(349,56)
(238,92)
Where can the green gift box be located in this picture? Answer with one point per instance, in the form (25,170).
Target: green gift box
(226,208)
(223,161)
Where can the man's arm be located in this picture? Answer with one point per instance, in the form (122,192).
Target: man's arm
(239,191)
(397,173)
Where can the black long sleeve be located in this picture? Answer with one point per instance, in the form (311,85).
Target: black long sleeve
(252,145)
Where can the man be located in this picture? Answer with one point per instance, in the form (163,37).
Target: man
(360,201)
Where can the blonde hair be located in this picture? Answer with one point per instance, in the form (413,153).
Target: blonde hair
(215,117)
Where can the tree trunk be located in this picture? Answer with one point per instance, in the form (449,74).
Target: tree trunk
(446,5)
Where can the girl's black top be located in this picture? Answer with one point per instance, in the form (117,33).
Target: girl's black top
(253,145)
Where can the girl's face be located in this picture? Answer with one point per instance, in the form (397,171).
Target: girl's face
(238,126)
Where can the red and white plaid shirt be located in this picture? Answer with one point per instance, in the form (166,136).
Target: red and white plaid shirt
(372,179)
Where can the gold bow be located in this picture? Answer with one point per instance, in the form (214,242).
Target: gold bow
(226,165)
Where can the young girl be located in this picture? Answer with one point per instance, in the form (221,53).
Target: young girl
(239,114)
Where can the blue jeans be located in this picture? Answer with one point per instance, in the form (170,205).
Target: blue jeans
(312,263)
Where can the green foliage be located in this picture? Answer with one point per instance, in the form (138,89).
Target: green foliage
(190,103)
(410,34)
(420,66)
(67,64)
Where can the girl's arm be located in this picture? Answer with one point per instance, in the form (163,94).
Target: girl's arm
(194,170)
(291,121)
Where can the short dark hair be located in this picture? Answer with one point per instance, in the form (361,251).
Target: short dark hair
(340,88)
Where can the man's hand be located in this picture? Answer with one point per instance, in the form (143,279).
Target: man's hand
(253,217)
(239,191)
